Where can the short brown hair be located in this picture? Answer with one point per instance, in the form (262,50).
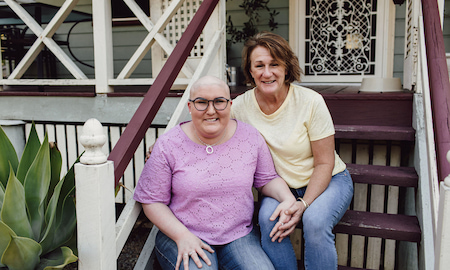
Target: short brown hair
(279,49)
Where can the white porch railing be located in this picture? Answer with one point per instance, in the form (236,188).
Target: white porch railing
(434,200)
(104,80)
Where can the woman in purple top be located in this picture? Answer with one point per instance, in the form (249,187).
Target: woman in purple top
(197,187)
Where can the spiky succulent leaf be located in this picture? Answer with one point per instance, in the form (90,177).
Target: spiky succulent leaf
(2,195)
(29,154)
(63,224)
(56,164)
(13,211)
(8,156)
(5,237)
(68,222)
(36,184)
(60,216)
(21,254)
(57,259)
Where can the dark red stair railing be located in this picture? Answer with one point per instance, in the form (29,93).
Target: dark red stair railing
(439,83)
(129,141)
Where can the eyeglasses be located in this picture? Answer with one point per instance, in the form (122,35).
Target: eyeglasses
(219,103)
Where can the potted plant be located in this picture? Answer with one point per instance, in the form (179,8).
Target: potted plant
(253,10)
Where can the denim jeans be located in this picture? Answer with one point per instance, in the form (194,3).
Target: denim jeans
(244,253)
(318,222)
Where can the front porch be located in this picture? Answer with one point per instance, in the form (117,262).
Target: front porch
(385,138)
(373,130)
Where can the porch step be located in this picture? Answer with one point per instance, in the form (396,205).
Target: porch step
(364,132)
(383,175)
(381,225)
(340,267)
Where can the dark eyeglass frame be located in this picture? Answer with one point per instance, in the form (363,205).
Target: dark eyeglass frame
(210,100)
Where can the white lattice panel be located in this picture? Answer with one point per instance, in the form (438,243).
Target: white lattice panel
(179,22)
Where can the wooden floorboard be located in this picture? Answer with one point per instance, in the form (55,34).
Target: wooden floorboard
(364,132)
(387,226)
(383,175)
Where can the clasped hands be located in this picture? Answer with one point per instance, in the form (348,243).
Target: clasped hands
(289,214)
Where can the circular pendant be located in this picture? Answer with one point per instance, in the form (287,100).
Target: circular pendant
(209,149)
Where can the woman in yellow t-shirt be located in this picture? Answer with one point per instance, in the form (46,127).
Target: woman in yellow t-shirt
(297,126)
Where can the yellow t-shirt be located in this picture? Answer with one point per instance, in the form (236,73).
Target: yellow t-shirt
(303,117)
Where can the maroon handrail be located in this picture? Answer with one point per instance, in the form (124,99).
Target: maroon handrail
(439,83)
(124,150)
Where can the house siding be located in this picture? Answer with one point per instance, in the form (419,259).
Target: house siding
(126,39)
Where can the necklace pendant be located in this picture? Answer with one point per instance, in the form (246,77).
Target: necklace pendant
(209,149)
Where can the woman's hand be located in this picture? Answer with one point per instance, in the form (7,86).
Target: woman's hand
(289,215)
(191,246)
(147,154)
(188,244)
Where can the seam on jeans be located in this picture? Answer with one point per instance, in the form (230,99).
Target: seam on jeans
(163,256)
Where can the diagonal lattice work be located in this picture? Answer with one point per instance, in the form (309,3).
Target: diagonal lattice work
(173,19)
(179,22)
(340,37)
(44,38)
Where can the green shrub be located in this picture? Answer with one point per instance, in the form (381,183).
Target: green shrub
(37,207)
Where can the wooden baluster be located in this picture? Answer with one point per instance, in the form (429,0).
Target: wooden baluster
(94,179)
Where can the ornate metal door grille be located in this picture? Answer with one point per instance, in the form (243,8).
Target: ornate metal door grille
(340,37)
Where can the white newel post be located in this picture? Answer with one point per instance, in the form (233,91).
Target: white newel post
(94,179)
(442,248)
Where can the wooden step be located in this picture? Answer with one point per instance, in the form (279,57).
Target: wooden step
(383,175)
(393,109)
(386,226)
(341,267)
(395,133)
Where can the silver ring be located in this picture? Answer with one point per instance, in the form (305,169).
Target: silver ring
(281,223)
(185,254)
(190,253)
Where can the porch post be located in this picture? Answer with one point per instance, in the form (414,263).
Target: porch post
(442,248)
(103,45)
(94,179)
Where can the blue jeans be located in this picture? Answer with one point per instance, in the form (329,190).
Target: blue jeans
(318,222)
(244,253)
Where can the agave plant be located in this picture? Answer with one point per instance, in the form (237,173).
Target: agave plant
(37,207)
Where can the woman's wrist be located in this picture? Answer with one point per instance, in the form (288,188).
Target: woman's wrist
(305,203)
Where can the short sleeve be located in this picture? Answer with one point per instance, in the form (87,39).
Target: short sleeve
(155,182)
(320,123)
(265,168)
